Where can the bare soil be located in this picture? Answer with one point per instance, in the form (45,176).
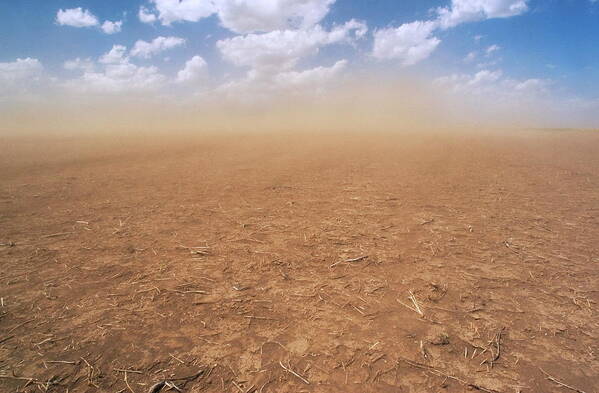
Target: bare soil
(444,262)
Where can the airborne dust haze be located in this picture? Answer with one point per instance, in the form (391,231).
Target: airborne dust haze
(358,103)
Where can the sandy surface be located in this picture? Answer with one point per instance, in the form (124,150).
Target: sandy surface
(298,263)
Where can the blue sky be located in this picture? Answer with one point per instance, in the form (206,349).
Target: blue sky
(547,47)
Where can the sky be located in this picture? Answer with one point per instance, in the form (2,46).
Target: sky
(537,60)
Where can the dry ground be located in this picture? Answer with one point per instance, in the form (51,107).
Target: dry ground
(285,263)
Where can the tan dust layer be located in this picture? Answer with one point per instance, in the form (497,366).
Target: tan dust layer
(297,262)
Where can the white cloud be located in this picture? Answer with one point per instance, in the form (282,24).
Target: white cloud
(242,16)
(20,70)
(145,16)
(410,43)
(470,57)
(278,49)
(116,55)
(532,85)
(109,27)
(248,16)
(492,83)
(115,75)
(491,97)
(415,41)
(491,49)
(462,11)
(117,78)
(350,30)
(76,17)
(485,76)
(313,77)
(271,58)
(282,49)
(260,86)
(170,11)
(470,83)
(79,64)
(487,64)
(148,49)
(194,70)
(21,79)
(79,17)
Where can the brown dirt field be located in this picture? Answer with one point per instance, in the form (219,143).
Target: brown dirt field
(495,234)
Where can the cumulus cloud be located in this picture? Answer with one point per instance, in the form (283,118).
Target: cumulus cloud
(145,16)
(117,78)
(160,44)
(115,74)
(79,64)
(242,16)
(469,83)
(410,43)
(20,79)
(489,95)
(170,11)
(259,85)
(271,58)
(415,41)
(79,17)
(194,70)
(109,27)
(282,49)
(248,16)
(115,55)
(485,76)
(462,11)
(313,77)
(76,17)
(19,70)
(350,30)
(492,83)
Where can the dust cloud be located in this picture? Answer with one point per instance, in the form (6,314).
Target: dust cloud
(358,103)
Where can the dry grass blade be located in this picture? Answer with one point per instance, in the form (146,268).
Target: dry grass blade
(127,383)
(120,370)
(416,308)
(357,259)
(289,370)
(56,235)
(560,383)
(5,339)
(448,376)
(157,387)
(498,344)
